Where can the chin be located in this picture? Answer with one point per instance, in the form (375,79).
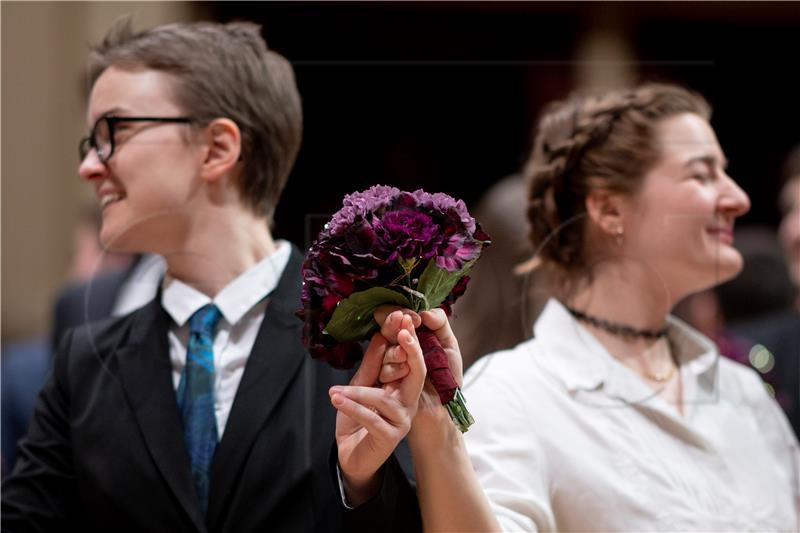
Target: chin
(715,270)
(727,265)
(147,235)
(121,241)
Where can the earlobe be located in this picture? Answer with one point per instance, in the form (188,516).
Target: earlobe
(223,148)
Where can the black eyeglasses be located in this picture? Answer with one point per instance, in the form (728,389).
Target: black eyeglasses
(101,138)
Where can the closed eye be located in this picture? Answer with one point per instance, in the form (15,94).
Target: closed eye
(706,168)
(703,177)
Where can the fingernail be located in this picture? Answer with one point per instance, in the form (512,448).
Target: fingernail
(334,390)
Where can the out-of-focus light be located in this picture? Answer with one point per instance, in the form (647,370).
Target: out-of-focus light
(761,358)
(770,389)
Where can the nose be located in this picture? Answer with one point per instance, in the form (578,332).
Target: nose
(733,201)
(91,167)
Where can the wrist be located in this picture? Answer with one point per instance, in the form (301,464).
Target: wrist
(432,428)
(360,489)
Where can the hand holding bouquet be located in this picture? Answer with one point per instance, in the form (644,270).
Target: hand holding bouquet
(387,246)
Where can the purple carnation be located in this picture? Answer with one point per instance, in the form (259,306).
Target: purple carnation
(414,234)
(382,237)
(444,203)
(357,204)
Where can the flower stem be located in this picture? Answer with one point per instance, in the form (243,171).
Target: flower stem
(458,411)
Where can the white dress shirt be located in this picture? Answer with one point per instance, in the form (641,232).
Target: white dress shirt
(141,285)
(242,304)
(567,438)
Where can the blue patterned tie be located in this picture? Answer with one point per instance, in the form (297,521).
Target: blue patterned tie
(196,398)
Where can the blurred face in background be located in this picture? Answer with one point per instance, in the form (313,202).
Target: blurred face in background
(680,223)
(789,232)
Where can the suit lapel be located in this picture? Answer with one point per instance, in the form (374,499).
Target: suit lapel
(146,374)
(274,361)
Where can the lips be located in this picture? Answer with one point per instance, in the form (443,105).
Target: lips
(109,196)
(724,234)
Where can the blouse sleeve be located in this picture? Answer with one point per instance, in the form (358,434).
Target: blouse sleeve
(506,453)
(778,433)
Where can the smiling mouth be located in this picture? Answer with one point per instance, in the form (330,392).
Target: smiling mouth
(110,198)
(723,234)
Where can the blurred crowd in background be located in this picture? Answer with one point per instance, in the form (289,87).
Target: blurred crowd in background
(442,96)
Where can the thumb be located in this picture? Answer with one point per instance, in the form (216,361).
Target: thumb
(411,386)
(370,367)
(436,321)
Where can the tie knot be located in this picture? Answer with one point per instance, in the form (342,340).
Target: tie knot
(204,320)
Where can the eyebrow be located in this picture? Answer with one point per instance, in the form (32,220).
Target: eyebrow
(109,112)
(709,160)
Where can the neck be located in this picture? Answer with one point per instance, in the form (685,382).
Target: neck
(632,296)
(625,292)
(217,248)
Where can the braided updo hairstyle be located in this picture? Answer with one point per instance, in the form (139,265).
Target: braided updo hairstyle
(603,141)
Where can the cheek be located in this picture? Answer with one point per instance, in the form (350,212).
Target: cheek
(674,241)
(663,231)
(682,219)
(157,188)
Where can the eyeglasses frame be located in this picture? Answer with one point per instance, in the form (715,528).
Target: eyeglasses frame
(89,142)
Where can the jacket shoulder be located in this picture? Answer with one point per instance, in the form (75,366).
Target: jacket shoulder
(102,335)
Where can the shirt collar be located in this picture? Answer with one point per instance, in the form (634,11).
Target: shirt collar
(574,356)
(181,301)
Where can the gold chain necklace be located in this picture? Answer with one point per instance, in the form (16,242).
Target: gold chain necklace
(661,377)
(664,376)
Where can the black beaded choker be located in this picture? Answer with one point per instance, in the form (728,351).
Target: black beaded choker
(618,329)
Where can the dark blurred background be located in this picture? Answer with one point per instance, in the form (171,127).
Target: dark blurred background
(444,95)
(440,95)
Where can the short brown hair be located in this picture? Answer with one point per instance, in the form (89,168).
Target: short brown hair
(222,70)
(588,142)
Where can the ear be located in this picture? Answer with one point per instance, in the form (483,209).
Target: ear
(223,148)
(605,209)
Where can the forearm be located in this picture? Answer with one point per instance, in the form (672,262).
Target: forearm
(450,497)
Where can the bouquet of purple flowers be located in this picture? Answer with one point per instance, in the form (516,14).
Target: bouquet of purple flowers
(387,246)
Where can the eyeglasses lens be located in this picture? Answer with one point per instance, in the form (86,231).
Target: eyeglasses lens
(102,139)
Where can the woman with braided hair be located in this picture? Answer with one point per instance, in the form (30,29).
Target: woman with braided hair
(616,416)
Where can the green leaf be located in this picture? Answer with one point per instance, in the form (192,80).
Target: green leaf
(408,264)
(436,283)
(352,320)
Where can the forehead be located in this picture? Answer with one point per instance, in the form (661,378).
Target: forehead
(687,136)
(132,92)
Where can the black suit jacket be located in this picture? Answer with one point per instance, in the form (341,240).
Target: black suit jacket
(105,449)
(89,301)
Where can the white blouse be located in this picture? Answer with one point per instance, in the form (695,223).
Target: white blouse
(567,438)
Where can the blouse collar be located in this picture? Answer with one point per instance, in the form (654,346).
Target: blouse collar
(576,358)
